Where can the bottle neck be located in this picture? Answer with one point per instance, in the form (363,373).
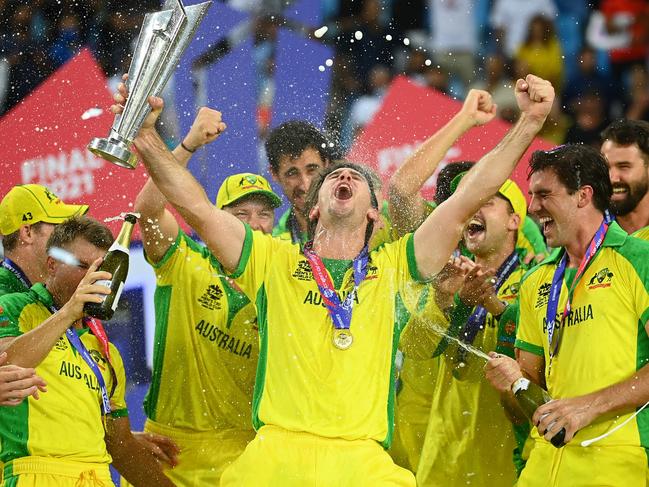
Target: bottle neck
(123,239)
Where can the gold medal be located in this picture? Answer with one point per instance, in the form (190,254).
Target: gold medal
(342,339)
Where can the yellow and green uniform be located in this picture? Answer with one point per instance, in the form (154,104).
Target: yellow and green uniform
(283,231)
(642,234)
(204,362)
(9,283)
(416,383)
(64,427)
(469,440)
(309,390)
(602,342)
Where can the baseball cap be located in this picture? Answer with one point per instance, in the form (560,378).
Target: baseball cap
(509,190)
(27,204)
(237,186)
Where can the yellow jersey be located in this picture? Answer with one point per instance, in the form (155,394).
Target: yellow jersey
(206,344)
(304,383)
(603,341)
(466,416)
(66,422)
(642,234)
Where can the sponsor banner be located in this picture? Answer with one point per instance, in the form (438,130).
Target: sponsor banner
(411,113)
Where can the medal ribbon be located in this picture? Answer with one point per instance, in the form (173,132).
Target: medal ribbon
(340,313)
(557,281)
(477,319)
(98,330)
(16,271)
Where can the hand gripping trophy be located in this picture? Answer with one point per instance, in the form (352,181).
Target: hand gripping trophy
(163,38)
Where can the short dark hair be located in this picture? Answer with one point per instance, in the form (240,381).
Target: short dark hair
(9,242)
(294,137)
(628,132)
(447,174)
(373,182)
(89,229)
(576,165)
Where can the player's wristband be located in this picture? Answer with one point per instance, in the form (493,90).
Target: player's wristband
(182,144)
(520,384)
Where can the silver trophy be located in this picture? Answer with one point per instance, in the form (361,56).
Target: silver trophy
(163,38)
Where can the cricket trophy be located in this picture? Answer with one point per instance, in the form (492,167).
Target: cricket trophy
(163,38)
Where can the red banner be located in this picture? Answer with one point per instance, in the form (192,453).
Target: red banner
(408,116)
(45,139)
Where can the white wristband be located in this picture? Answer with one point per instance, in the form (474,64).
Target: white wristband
(520,384)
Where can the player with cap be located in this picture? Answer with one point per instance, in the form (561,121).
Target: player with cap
(28,214)
(206,339)
(73,432)
(466,417)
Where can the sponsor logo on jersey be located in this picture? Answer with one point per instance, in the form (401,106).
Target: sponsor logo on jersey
(303,271)
(61,344)
(211,298)
(543,295)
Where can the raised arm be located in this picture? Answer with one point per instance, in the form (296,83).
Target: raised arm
(438,236)
(407,207)
(223,233)
(159,226)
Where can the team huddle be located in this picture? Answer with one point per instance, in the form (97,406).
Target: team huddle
(346,345)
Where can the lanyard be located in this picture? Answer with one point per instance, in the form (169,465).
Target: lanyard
(557,282)
(477,319)
(341,313)
(16,271)
(98,330)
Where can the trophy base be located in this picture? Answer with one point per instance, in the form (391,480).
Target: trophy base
(113,151)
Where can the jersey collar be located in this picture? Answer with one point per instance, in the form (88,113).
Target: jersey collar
(615,237)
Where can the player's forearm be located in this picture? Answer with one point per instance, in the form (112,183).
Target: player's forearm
(623,396)
(30,349)
(491,171)
(223,233)
(407,207)
(135,463)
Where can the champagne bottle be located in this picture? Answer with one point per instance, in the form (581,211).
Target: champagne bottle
(530,396)
(115,262)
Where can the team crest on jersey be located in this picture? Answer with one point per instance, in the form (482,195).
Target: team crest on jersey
(99,358)
(600,279)
(372,272)
(211,298)
(509,291)
(510,327)
(303,271)
(4,319)
(543,295)
(61,344)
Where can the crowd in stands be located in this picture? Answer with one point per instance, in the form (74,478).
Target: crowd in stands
(594,53)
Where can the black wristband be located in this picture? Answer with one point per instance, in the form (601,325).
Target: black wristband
(182,144)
